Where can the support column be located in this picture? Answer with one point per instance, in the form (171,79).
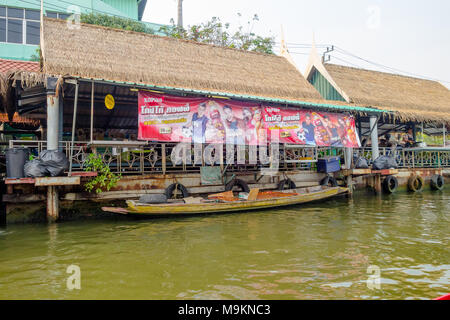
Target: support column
(53,128)
(444,129)
(52,115)
(374,136)
(348,155)
(52,204)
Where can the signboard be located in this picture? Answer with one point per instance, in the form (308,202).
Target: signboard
(310,127)
(109,101)
(203,120)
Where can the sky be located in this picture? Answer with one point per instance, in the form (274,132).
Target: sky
(410,36)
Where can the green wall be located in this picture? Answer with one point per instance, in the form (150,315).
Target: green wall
(122,8)
(326,90)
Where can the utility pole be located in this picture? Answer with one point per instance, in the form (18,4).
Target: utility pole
(180,14)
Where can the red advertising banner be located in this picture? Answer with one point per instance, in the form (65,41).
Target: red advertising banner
(310,127)
(181,119)
(203,120)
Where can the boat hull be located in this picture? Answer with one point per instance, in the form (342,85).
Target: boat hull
(221,207)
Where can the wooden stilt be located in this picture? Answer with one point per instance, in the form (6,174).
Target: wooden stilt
(377,183)
(349,182)
(52,204)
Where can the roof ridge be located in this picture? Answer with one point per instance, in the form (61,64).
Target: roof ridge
(95,26)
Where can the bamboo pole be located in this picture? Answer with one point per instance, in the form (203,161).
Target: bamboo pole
(75,105)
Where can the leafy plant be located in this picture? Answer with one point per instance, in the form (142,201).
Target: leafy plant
(115,22)
(104,180)
(218,33)
(37,55)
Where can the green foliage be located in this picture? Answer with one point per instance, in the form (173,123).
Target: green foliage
(105,179)
(37,55)
(115,22)
(218,33)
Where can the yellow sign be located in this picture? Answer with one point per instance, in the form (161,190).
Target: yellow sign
(109,102)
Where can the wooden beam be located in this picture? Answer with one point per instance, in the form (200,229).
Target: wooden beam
(57,181)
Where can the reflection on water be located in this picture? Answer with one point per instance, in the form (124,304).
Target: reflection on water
(315,251)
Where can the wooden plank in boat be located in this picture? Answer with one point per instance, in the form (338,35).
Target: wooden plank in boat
(192,200)
(253,194)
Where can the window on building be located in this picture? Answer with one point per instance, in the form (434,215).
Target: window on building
(23,25)
(52,14)
(33,32)
(2,29)
(15,31)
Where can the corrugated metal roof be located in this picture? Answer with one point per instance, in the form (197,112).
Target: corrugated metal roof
(18,65)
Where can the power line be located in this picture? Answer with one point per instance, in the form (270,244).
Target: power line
(386,67)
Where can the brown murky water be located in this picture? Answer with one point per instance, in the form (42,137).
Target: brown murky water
(315,251)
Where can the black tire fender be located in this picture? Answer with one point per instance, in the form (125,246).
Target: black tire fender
(390,184)
(170,190)
(329,181)
(437,182)
(415,184)
(286,183)
(239,183)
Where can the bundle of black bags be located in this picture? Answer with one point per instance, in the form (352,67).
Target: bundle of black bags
(51,163)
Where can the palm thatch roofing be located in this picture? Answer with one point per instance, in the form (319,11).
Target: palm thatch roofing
(411,98)
(104,53)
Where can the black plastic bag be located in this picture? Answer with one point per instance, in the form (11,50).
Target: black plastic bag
(384,162)
(34,168)
(54,161)
(360,163)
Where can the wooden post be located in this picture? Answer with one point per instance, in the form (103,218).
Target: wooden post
(163,157)
(377,183)
(349,182)
(74,120)
(52,204)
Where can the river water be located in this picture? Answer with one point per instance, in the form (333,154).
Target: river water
(371,247)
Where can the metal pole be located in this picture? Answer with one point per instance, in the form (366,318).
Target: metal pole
(75,104)
(92,112)
(180,14)
(52,122)
(444,129)
(374,136)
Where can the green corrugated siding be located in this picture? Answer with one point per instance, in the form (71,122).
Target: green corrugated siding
(326,90)
(128,7)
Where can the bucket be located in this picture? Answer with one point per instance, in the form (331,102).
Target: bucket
(15,161)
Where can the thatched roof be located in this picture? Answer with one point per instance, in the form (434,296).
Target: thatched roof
(112,54)
(412,98)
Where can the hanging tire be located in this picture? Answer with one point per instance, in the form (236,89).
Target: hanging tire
(238,183)
(390,184)
(170,191)
(286,184)
(437,182)
(153,198)
(415,184)
(329,181)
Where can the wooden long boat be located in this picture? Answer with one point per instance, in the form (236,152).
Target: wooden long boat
(210,206)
